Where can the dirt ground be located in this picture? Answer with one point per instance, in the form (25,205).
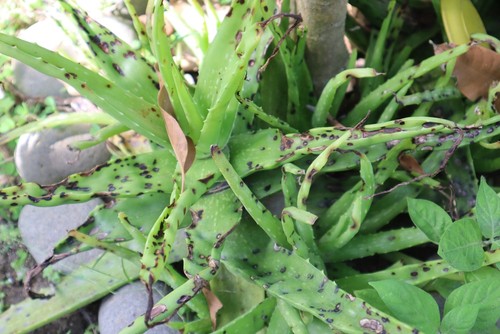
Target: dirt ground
(13,292)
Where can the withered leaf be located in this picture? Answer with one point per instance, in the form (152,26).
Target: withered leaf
(410,164)
(214,305)
(475,71)
(183,146)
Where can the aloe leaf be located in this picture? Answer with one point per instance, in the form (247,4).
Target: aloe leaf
(226,286)
(328,94)
(269,148)
(416,274)
(299,84)
(171,303)
(58,119)
(133,111)
(120,178)
(223,71)
(121,64)
(212,217)
(377,243)
(199,178)
(139,213)
(350,222)
(287,276)
(108,274)
(187,113)
(140,29)
(252,321)
(376,97)
(262,216)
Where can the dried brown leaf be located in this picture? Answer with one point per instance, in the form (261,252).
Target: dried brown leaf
(475,70)
(183,146)
(214,305)
(410,164)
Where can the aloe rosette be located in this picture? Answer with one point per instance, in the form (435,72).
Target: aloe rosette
(240,155)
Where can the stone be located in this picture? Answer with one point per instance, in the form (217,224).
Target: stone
(42,228)
(120,309)
(30,82)
(46,157)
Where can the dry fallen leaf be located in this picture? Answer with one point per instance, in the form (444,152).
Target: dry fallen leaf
(476,71)
(183,146)
(410,164)
(214,305)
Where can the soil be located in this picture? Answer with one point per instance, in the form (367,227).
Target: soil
(13,292)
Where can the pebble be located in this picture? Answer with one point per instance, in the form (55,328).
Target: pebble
(125,305)
(42,228)
(46,157)
(30,82)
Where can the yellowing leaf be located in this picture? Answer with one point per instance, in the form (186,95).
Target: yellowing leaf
(461,20)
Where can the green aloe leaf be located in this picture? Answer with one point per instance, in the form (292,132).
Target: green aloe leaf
(121,64)
(212,217)
(133,111)
(226,286)
(187,112)
(223,71)
(119,178)
(287,276)
(252,321)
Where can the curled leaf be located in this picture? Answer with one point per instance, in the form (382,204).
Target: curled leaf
(183,146)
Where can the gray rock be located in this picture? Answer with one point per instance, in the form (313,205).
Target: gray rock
(125,305)
(42,228)
(45,157)
(30,82)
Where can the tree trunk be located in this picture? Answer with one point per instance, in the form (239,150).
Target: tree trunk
(326,54)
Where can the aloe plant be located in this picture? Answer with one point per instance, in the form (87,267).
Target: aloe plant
(223,147)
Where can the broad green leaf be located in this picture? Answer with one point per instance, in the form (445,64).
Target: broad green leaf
(482,273)
(488,210)
(461,245)
(460,320)
(409,304)
(429,217)
(485,294)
